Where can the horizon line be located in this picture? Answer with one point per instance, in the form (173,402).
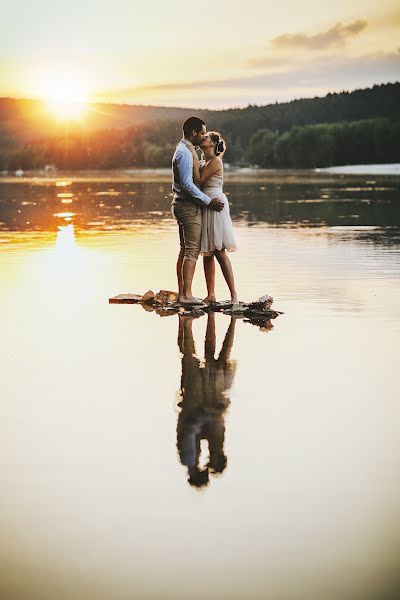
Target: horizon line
(236,107)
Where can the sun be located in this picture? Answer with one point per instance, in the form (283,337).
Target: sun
(65,99)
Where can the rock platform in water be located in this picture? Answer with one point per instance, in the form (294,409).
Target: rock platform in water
(165,303)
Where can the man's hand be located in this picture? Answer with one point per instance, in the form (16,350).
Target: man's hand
(216,204)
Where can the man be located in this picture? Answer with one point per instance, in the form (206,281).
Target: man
(187,208)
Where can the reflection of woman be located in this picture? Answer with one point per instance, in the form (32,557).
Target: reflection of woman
(204,400)
(217,235)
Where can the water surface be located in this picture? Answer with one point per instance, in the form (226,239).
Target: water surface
(157,457)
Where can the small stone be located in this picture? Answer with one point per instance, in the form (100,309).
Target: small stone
(147,307)
(165,296)
(166,311)
(258,306)
(265,313)
(222,305)
(264,325)
(267,299)
(148,297)
(236,309)
(125,299)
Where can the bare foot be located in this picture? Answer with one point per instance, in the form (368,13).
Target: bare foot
(234,300)
(209,299)
(189,300)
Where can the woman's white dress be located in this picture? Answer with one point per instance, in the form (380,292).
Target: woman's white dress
(217,229)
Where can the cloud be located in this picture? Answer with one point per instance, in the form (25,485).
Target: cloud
(336,36)
(380,63)
(331,72)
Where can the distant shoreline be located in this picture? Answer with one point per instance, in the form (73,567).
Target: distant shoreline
(232,174)
(390,169)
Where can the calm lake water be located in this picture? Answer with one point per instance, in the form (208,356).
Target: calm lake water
(162,458)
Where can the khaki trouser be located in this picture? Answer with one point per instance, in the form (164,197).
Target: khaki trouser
(189,217)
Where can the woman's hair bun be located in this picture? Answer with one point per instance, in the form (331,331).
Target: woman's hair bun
(220,147)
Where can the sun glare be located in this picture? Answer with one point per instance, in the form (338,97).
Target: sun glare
(65,99)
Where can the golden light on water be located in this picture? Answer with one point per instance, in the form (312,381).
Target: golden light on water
(67,216)
(66,238)
(64,195)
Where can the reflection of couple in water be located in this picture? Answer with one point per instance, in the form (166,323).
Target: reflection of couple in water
(204,394)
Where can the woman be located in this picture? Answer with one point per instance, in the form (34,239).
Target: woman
(217,231)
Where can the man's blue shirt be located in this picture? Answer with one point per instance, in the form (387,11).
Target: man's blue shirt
(182,168)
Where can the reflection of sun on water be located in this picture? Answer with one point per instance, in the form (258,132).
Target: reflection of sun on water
(67,266)
(67,216)
(63,183)
(66,242)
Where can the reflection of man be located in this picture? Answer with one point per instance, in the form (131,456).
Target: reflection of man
(186,207)
(204,400)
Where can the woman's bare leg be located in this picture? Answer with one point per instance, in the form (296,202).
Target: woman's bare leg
(210,339)
(227,272)
(209,272)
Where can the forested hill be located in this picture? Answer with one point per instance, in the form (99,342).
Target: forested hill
(26,119)
(378,101)
(345,128)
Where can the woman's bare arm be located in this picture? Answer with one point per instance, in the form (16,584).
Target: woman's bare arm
(210,169)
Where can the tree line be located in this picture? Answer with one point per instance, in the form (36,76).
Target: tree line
(108,149)
(356,142)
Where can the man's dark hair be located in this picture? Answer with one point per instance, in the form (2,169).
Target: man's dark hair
(192,123)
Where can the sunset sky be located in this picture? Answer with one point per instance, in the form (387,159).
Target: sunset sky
(209,55)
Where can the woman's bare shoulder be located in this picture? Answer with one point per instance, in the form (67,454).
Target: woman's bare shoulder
(218,161)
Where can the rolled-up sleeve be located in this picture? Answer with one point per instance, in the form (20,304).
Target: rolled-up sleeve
(185,168)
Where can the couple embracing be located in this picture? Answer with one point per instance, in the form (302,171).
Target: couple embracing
(202,211)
